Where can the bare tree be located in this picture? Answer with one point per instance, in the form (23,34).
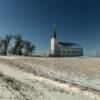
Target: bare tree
(19,43)
(28,48)
(6,42)
(1,45)
(31,49)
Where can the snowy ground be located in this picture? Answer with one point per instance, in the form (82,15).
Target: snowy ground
(31,78)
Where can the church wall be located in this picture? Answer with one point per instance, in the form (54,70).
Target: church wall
(68,52)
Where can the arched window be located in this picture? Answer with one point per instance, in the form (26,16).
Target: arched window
(59,52)
(56,52)
(68,52)
(63,52)
(73,52)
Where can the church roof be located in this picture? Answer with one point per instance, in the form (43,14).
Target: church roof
(67,45)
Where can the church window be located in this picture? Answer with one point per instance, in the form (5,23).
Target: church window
(58,51)
(63,52)
(77,52)
(72,52)
(68,52)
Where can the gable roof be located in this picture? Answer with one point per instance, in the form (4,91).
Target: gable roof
(67,45)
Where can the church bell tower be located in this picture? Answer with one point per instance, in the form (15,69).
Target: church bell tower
(53,42)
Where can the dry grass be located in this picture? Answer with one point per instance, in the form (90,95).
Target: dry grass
(83,67)
(58,70)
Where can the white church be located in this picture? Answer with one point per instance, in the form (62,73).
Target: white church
(64,49)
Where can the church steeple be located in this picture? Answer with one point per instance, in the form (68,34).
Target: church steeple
(53,41)
(54,32)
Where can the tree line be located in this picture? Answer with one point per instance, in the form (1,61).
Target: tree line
(16,45)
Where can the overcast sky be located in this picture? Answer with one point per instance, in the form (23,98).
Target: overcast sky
(76,21)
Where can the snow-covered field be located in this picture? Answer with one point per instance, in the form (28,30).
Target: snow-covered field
(34,78)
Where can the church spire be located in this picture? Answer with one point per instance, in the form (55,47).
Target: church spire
(54,32)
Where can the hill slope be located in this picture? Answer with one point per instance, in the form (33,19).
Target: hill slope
(26,78)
